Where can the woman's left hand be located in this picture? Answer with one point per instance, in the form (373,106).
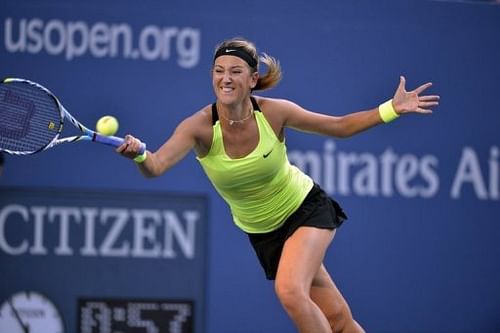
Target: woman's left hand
(411,101)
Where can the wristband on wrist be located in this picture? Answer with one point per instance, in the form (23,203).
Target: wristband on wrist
(387,112)
(141,158)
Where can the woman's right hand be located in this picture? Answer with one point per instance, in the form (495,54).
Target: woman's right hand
(130,148)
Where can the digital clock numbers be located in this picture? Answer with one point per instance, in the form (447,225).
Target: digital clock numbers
(127,316)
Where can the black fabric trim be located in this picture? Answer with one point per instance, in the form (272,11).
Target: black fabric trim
(215,115)
(254,104)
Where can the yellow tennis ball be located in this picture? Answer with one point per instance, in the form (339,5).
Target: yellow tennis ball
(107,125)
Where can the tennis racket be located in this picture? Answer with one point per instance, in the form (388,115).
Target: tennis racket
(32,120)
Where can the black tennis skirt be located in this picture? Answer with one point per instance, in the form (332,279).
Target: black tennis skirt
(317,210)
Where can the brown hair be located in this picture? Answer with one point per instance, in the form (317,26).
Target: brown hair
(273,74)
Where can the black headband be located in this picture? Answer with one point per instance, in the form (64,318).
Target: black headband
(237,52)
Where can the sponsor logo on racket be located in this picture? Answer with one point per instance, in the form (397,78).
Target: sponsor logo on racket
(52,125)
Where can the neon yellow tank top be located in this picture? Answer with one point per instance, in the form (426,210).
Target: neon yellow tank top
(262,189)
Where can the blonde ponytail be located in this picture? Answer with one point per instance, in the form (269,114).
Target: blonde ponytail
(273,75)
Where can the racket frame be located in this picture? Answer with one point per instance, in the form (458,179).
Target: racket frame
(87,134)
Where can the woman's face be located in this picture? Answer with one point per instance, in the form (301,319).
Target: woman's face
(232,79)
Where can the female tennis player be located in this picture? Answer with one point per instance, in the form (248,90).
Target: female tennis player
(240,142)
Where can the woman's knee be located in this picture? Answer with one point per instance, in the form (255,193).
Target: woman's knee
(326,295)
(340,318)
(291,294)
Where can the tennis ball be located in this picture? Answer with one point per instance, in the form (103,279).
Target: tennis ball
(107,125)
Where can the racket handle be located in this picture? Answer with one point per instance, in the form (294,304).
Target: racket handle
(115,142)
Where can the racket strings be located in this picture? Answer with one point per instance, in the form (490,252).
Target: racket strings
(30,117)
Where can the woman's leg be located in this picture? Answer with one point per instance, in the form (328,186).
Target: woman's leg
(300,262)
(331,302)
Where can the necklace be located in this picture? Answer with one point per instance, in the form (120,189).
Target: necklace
(231,121)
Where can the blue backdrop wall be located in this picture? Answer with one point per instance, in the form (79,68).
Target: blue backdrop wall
(420,251)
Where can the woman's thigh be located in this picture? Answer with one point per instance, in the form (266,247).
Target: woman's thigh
(302,256)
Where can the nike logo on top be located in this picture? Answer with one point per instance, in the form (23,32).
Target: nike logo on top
(230,50)
(266,155)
